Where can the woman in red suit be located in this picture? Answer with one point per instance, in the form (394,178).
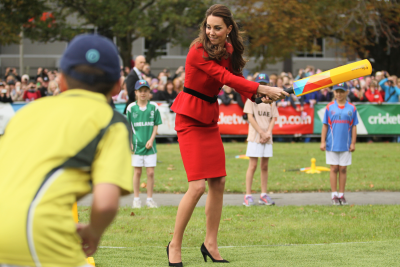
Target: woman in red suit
(214,59)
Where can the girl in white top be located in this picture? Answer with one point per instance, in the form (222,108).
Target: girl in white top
(261,122)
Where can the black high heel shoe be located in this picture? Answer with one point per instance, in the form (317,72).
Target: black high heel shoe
(178,264)
(205,253)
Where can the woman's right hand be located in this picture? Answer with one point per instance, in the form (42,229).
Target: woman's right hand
(273,93)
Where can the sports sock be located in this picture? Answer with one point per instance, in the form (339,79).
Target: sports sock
(340,194)
(334,194)
(149,198)
(249,196)
(263,194)
(136,198)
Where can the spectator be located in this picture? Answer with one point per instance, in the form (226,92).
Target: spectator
(178,73)
(43,86)
(325,95)
(230,95)
(31,93)
(169,94)
(392,92)
(53,89)
(17,93)
(135,75)
(357,95)
(379,76)
(5,96)
(12,72)
(157,90)
(123,94)
(147,71)
(372,94)
(272,79)
(310,98)
(178,85)
(25,80)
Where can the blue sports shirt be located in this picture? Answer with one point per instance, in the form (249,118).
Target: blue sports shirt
(340,121)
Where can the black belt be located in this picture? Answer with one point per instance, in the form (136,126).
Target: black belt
(200,95)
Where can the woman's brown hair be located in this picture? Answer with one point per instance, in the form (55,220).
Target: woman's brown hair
(216,52)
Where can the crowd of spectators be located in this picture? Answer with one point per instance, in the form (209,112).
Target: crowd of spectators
(165,86)
(16,88)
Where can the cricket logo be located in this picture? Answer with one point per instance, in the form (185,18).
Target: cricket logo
(350,113)
(152,114)
(134,115)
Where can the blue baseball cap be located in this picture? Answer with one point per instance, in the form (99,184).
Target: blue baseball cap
(262,78)
(342,86)
(141,83)
(93,50)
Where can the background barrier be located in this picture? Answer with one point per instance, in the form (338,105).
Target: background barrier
(373,119)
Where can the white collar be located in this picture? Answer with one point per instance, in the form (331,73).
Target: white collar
(138,72)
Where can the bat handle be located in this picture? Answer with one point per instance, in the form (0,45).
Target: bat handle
(287,90)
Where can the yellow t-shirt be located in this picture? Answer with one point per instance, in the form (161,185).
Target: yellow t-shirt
(263,114)
(51,152)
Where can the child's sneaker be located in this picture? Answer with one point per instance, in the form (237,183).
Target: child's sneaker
(248,201)
(151,204)
(137,204)
(335,201)
(343,201)
(266,200)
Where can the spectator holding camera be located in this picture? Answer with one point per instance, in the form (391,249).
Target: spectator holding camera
(13,73)
(390,88)
(32,93)
(5,96)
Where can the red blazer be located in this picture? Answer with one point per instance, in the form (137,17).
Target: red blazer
(207,77)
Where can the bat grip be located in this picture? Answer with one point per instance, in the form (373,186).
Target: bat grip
(287,90)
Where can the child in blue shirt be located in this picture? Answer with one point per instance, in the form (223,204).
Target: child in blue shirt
(338,139)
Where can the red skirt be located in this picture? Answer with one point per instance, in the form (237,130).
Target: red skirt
(201,147)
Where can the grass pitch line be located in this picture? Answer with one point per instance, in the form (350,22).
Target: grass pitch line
(287,245)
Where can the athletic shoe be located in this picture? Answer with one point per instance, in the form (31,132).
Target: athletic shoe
(335,201)
(343,201)
(151,204)
(248,201)
(137,204)
(266,200)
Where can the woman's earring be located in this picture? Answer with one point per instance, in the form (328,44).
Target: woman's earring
(227,36)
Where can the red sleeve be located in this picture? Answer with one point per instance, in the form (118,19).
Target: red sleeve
(24,95)
(221,74)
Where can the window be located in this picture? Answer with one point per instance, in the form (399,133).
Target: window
(162,51)
(317,49)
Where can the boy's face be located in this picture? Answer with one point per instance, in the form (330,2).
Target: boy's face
(340,94)
(143,93)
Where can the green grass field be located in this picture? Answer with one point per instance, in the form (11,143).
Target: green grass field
(374,167)
(259,236)
(366,235)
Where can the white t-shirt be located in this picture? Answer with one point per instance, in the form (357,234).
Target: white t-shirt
(263,114)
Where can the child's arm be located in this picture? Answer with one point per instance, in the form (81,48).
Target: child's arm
(149,143)
(323,137)
(353,138)
(263,135)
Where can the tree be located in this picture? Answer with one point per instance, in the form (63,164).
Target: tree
(14,14)
(160,21)
(277,28)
